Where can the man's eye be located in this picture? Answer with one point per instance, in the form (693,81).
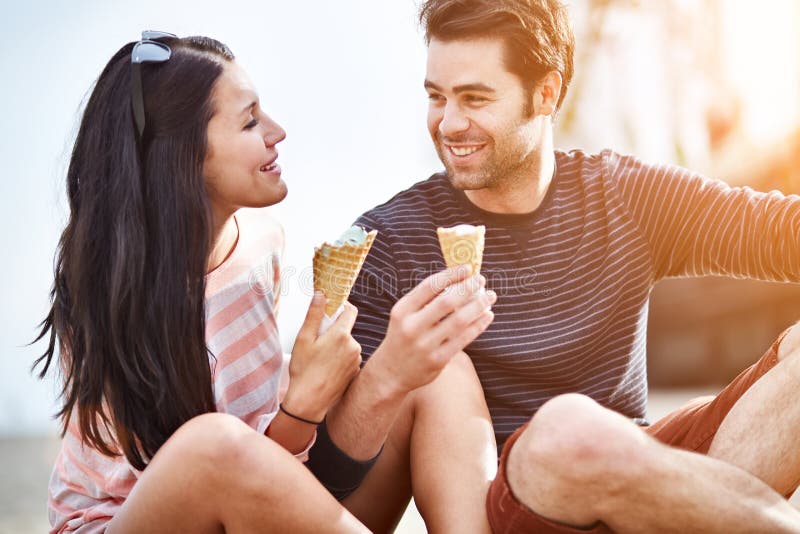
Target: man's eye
(474,99)
(435,98)
(252,124)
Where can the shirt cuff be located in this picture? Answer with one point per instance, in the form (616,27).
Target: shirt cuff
(339,473)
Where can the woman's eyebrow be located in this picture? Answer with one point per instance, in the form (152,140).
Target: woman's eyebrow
(248,107)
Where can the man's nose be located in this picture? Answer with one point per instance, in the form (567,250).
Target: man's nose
(453,121)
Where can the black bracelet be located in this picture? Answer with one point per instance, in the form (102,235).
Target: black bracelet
(293,416)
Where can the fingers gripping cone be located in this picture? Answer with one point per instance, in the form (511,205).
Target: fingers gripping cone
(336,268)
(462,244)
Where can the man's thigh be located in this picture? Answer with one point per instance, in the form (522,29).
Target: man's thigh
(442,438)
(691,427)
(694,425)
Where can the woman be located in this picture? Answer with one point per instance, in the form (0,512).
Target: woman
(155,281)
(163,314)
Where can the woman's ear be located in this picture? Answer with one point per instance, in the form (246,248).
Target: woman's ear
(547,93)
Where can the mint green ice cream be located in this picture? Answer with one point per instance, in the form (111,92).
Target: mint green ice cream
(355,235)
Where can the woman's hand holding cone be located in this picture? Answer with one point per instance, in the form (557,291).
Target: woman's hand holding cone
(322,366)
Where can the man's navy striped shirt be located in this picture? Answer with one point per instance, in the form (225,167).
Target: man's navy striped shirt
(573,278)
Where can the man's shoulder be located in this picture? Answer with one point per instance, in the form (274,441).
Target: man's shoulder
(583,162)
(413,202)
(605,168)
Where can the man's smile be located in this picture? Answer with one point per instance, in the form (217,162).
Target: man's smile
(464,150)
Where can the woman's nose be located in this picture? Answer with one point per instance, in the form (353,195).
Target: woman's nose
(273,134)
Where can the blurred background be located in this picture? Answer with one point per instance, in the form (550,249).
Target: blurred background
(713,85)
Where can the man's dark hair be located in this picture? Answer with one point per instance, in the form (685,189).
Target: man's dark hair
(537,33)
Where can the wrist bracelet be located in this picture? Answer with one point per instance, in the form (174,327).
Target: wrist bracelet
(293,416)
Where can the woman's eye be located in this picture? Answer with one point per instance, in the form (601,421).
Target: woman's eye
(252,124)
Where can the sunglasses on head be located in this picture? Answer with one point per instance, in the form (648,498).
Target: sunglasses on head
(145,51)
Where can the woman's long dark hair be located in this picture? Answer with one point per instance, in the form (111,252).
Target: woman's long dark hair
(127,311)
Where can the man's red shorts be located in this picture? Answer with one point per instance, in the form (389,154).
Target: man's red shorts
(690,427)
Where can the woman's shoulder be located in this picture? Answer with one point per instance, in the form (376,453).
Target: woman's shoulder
(259,229)
(258,249)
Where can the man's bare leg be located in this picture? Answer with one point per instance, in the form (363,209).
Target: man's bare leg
(761,433)
(579,463)
(790,342)
(453,451)
(442,440)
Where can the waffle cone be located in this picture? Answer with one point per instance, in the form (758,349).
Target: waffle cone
(336,269)
(462,249)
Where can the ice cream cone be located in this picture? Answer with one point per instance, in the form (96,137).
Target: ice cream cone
(462,244)
(336,268)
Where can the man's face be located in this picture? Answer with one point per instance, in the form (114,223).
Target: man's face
(476,114)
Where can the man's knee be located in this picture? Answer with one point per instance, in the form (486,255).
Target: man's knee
(576,460)
(463,362)
(790,344)
(460,370)
(457,383)
(577,441)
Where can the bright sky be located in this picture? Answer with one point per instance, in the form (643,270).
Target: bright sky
(343,78)
(763,61)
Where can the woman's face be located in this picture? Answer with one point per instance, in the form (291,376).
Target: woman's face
(241,168)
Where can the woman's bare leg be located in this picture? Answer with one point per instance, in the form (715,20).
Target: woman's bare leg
(216,474)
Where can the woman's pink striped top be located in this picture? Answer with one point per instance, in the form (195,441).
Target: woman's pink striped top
(86,487)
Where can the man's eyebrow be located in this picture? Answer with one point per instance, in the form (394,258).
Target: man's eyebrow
(476,87)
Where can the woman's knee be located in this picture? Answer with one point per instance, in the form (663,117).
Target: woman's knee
(194,469)
(213,441)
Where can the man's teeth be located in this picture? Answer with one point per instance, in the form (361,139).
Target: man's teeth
(267,168)
(464,151)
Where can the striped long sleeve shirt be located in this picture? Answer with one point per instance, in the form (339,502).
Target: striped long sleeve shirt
(573,278)
(88,488)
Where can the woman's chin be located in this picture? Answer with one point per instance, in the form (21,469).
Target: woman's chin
(277,194)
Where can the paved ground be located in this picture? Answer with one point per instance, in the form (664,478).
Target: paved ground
(25,465)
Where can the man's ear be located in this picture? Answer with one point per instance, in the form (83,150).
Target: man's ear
(547,93)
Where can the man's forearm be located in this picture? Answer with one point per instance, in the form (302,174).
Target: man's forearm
(427,327)
(361,420)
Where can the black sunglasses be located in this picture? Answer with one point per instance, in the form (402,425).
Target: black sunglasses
(145,51)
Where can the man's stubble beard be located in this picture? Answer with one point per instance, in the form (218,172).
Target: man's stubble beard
(497,173)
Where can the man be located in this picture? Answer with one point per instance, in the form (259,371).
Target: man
(574,244)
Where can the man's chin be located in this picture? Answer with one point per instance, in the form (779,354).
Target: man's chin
(465,182)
